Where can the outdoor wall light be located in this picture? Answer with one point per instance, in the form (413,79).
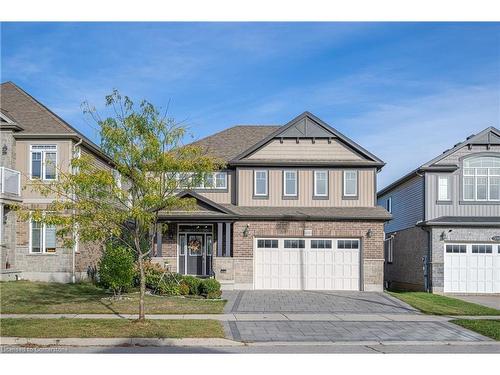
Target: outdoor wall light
(369,233)
(4,149)
(245,231)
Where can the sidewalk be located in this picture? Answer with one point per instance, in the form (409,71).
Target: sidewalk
(261,317)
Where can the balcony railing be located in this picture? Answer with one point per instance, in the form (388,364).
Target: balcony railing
(10,181)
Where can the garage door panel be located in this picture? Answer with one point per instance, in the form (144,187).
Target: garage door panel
(322,267)
(472,272)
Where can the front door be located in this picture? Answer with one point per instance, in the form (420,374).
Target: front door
(195,252)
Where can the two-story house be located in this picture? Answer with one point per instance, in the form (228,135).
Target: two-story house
(36,144)
(445,231)
(295,208)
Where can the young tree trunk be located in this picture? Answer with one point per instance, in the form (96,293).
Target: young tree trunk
(142,288)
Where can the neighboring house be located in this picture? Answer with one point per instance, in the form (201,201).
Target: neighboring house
(445,231)
(295,208)
(37,144)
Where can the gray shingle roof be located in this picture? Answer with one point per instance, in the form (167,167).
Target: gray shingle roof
(29,113)
(33,118)
(229,143)
(331,213)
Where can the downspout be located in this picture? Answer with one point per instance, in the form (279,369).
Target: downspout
(76,153)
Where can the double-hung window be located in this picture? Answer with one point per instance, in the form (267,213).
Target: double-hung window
(444,193)
(42,238)
(290,183)
(260,183)
(43,162)
(320,183)
(350,183)
(481,179)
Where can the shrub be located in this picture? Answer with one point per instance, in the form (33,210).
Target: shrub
(193,283)
(183,288)
(160,281)
(116,269)
(210,288)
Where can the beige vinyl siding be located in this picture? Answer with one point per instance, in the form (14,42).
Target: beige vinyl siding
(305,150)
(366,187)
(222,196)
(23,160)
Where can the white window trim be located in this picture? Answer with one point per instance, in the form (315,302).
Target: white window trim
(316,185)
(448,188)
(44,247)
(42,167)
(255,182)
(475,177)
(285,193)
(345,183)
(388,204)
(202,184)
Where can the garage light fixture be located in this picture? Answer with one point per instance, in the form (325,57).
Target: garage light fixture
(245,231)
(369,233)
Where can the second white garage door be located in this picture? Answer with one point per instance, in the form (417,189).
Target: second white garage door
(471,268)
(306,263)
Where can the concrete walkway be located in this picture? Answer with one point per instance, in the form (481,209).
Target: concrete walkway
(261,317)
(492,301)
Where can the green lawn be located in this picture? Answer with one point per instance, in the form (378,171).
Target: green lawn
(61,328)
(24,297)
(435,304)
(490,328)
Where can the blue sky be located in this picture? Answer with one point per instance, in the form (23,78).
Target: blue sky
(405,91)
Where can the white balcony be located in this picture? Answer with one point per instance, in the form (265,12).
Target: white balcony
(10,182)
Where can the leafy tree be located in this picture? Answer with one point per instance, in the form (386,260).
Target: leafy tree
(148,153)
(116,268)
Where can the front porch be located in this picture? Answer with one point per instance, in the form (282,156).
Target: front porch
(192,247)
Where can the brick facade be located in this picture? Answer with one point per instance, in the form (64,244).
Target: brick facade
(406,271)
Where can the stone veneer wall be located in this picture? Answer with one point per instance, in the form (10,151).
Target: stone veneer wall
(457,234)
(406,271)
(239,268)
(56,266)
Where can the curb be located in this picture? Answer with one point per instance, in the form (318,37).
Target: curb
(213,342)
(218,342)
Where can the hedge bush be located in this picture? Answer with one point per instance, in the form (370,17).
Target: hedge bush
(210,288)
(193,283)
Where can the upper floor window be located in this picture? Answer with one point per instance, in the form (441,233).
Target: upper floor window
(290,183)
(43,162)
(321,183)
(481,179)
(216,180)
(350,183)
(444,193)
(260,183)
(388,204)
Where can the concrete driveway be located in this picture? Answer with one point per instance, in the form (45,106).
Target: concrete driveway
(313,302)
(319,313)
(488,301)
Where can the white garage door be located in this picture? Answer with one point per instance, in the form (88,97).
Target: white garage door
(472,268)
(306,263)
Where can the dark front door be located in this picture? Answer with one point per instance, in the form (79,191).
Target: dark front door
(195,254)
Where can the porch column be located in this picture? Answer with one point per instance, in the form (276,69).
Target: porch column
(219,239)
(228,239)
(159,239)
